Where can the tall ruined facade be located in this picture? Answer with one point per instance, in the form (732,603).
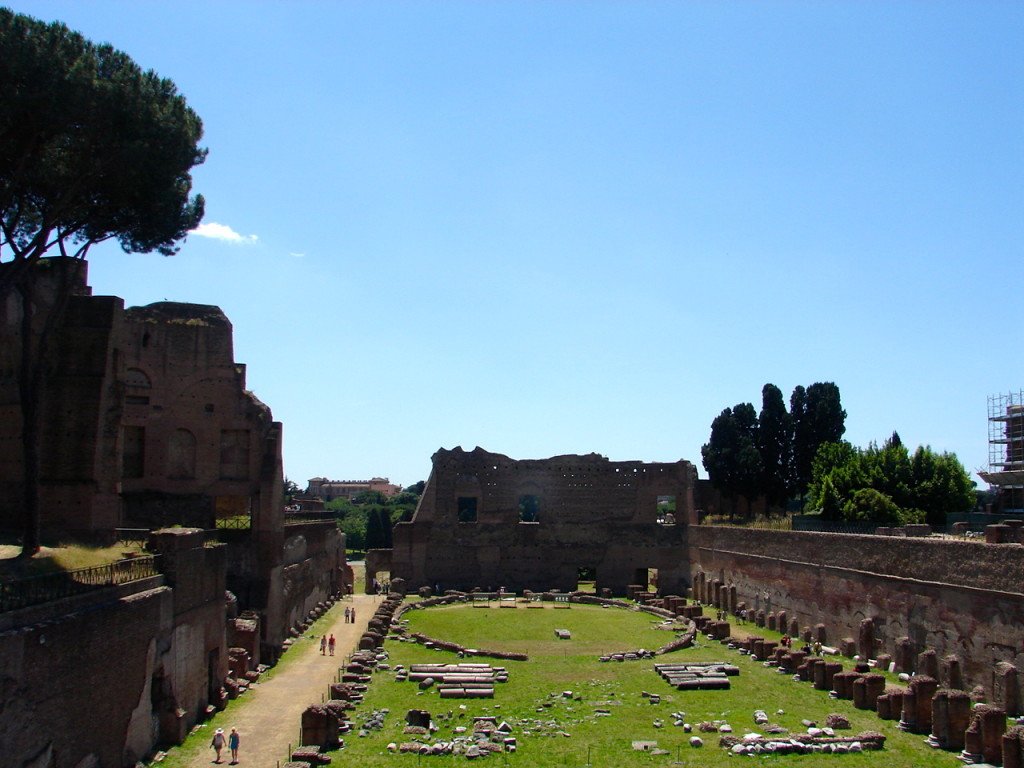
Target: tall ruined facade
(146,420)
(485,520)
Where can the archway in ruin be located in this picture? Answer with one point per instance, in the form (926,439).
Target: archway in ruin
(378,565)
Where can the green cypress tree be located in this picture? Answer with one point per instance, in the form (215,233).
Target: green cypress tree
(386,527)
(374,531)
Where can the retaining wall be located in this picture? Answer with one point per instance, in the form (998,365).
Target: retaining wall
(962,598)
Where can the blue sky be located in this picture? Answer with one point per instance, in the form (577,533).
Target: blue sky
(564,227)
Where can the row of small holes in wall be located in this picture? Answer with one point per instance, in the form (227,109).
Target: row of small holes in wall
(581,470)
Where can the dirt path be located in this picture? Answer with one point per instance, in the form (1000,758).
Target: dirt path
(271,717)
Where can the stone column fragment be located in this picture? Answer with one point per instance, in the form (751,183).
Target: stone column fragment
(951,672)
(905,655)
(866,639)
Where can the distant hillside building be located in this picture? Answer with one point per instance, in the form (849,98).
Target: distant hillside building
(329,490)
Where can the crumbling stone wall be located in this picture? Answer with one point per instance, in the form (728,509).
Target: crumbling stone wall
(961,599)
(79,467)
(61,695)
(108,675)
(311,562)
(313,558)
(590,513)
(202,432)
(146,420)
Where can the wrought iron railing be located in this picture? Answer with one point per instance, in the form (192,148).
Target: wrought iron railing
(36,590)
(128,536)
(235,523)
(308,515)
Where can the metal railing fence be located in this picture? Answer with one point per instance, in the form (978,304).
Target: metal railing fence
(36,590)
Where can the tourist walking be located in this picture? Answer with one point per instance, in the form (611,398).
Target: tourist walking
(347,615)
(323,645)
(218,743)
(330,644)
(233,740)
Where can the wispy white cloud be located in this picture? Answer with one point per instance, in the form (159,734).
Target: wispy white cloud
(223,232)
(296,255)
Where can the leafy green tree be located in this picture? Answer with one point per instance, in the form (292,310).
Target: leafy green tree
(839,463)
(775,444)
(341,507)
(825,408)
(730,456)
(416,488)
(801,463)
(941,485)
(872,506)
(831,504)
(369,497)
(354,527)
(888,470)
(404,499)
(818,418)
(402,505)
(718,453)
(749,469)
(291,489)
(925,487)
(91,149)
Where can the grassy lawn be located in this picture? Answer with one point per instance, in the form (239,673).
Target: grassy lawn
(61,557)
(532,701)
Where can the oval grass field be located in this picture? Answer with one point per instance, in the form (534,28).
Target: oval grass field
(541,716)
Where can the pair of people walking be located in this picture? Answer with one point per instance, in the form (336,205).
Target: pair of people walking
(350,615)
(232,741)
(327,643)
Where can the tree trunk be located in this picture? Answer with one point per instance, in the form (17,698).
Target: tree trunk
(35,339)
(30,396)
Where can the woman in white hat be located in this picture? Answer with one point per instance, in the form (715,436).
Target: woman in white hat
(218,742)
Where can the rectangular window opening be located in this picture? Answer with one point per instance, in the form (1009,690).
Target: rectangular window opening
(666,510)
(586,579)
(529,508)
(467,509)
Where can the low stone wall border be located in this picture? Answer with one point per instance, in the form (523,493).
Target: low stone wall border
(873,574)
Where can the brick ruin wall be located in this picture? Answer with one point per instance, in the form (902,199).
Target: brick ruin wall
(591,513)
(954,597)
(313,559)
(309,558)
(102,678)
(47,670)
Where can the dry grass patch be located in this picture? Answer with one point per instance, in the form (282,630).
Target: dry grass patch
(60,558)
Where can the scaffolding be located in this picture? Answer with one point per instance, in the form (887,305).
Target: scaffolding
(1006,448)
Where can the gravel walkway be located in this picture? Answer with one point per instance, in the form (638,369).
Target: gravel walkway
(270,715)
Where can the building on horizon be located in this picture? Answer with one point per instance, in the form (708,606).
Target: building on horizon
(329,490)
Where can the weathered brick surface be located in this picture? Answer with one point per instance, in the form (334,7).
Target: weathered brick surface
(112,678)
(947,596)
(61,690)
(167,369)
(592,513)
